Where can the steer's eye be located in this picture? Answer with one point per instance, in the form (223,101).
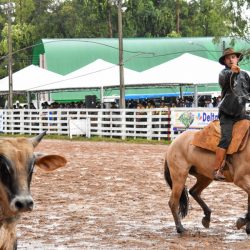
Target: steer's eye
(4,172)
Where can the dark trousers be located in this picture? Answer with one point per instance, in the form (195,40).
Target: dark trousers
(226,124)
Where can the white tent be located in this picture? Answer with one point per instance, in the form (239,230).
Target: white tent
(185,69)
(27,79)
(94,75)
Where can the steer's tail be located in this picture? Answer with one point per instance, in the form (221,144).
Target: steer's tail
(183,207)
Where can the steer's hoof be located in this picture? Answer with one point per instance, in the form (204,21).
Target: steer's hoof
(240,223)
(205,222)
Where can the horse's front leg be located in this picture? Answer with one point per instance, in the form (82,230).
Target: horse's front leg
(245,221)
(248,217)
(202,183)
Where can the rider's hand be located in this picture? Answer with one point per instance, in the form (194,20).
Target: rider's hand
(235,68)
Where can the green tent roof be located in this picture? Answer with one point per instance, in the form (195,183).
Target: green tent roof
(66,55)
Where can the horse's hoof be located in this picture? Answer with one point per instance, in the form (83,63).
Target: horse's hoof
(180,229)
(240,223)
(248,228)
(205,222)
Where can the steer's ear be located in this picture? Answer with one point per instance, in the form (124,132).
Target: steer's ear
(50,162)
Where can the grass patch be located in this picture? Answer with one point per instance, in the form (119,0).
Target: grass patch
(93,139)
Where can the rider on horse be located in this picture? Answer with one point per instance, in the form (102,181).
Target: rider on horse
(235,86)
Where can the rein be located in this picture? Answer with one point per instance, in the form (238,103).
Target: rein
(230,84)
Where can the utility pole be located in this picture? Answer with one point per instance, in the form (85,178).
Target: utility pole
(9,8)
(10,99)
(121,65)
(120,9)
(223,46)
(177,16)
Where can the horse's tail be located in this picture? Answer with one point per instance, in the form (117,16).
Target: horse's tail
(184,200)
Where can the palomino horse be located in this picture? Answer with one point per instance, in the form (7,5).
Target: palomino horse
(182,159)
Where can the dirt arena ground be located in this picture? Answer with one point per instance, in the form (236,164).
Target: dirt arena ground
(114,196)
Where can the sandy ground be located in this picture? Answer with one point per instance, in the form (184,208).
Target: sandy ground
(114,196)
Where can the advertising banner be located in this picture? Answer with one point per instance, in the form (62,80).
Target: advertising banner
(193,118)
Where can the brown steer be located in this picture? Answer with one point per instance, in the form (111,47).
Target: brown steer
(17,160)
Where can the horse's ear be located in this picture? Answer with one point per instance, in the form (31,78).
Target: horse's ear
(50,162)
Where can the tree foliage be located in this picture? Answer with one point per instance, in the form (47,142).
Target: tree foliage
(36,19)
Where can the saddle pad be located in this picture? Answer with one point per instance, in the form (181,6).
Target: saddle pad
(209,137)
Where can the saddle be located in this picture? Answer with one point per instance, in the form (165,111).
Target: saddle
(209,137)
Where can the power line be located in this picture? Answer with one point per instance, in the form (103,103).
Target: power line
(137,54)
(141,53)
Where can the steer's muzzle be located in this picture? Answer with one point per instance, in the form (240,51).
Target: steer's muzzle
(22,204)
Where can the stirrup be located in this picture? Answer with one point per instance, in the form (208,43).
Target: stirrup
(218,176)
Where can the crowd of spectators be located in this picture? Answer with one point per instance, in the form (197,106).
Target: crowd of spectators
(131,104)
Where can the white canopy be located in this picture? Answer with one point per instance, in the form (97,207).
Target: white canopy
(97,74)
(27,79)
(185,69)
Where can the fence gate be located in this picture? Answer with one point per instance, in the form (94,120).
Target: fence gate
(79,127)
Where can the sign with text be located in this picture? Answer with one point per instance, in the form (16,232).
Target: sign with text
(188,118)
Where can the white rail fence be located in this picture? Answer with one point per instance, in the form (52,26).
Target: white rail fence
(152,124)
(117,123)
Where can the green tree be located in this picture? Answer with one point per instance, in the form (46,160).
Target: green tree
(36,19)
(214,18)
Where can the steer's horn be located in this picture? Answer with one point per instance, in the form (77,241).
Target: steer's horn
(38,138)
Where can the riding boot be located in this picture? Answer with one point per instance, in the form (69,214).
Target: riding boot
(219,158)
